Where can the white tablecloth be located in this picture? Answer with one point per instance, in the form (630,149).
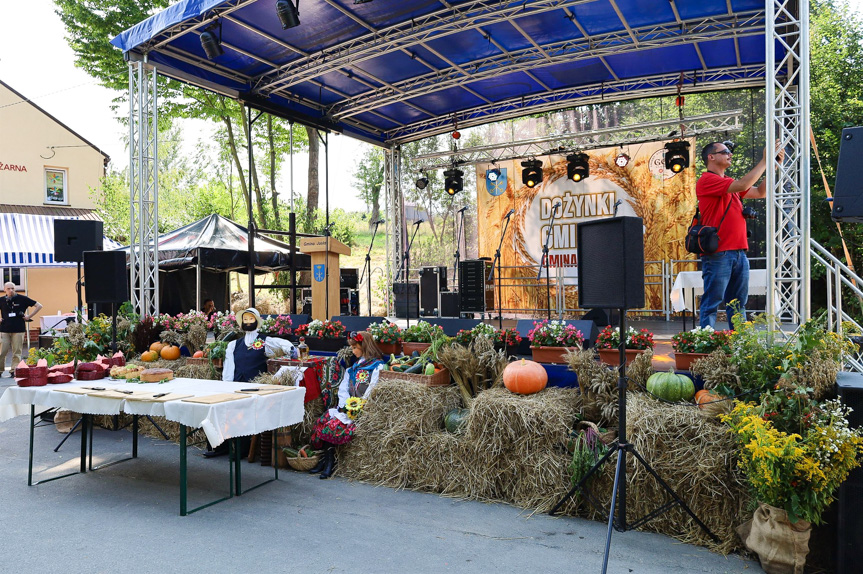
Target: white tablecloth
(220,421)
(687,281)
(56,322)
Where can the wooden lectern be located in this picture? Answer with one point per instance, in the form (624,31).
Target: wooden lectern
(325,253)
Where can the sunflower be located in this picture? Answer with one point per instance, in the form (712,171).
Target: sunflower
(257,345)
(354,406)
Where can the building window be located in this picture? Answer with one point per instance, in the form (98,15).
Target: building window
(16,275)
(55,186)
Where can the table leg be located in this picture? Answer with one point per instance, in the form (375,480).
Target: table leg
(134,436)
(88,424)
(183,477)
(32,429)
(235,442)
(276,453)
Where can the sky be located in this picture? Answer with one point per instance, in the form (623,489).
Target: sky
(38,63)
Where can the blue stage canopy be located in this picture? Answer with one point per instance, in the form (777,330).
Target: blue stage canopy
(393,71)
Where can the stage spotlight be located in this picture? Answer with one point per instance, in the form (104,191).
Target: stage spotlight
(676,156)
(289,15)
(531,175)
(211,44)
(454,182)
(577,167)
(422,182)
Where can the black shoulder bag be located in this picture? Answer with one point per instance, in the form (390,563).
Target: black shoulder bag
(703,239)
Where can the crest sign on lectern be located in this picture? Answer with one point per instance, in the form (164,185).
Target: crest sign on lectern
(324,252)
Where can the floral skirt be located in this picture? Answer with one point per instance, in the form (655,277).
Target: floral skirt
(331,430)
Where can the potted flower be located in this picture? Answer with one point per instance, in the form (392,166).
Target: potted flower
(388,336)
(464,337)
(508,340)
(276,326)
(419,337)
(608,344)
(550,340)
(696,344)
(323,335)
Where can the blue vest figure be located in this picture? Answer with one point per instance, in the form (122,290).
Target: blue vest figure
(248,361)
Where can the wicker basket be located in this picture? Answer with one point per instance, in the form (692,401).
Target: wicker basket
(303,464)
(439,379)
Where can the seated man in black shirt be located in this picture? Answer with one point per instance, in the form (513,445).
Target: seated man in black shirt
(13,323)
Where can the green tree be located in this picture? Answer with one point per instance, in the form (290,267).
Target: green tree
(369,179)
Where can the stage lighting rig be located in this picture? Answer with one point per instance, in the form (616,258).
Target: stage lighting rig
(422,182)
(454,180)
(577,167)
(676,156)
(531,174)
(211,43)
(288,13)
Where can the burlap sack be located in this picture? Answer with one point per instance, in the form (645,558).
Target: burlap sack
(64,420)
(781,546)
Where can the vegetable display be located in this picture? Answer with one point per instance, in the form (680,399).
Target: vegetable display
(671,386)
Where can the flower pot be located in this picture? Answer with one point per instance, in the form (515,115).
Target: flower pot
(331,345)
(612,356)
(550,354)
(390,348)
(781,546)
(683,361)
(409,347)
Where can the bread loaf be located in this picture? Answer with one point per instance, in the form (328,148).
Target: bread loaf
(156,375)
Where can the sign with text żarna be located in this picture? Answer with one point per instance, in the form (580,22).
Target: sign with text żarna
(634,175)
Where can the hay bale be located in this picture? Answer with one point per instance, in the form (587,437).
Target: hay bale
(197,372)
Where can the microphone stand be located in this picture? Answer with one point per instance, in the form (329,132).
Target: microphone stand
(406,265)
(368,266)
(545,260)
(457,255)
(496,263)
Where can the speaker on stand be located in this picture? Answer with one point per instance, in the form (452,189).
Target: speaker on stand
(72,237)
(107,282)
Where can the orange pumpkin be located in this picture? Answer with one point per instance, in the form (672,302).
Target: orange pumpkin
(198,355)
(149,356)
(157,347)
(525,377)
(170,353)
(703,397)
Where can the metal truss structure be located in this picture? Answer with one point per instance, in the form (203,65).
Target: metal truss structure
(787,113)
(568,143)
(143,189)
(395,215)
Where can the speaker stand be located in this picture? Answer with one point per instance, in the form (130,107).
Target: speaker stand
(621,447)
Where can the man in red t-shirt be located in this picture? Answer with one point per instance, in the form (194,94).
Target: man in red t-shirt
(726,272)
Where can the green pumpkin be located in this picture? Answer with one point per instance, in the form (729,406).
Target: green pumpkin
(671,386)
(455,419)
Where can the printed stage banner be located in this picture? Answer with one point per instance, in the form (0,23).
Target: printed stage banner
(634,175)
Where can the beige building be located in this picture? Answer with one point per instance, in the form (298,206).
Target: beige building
(46,171)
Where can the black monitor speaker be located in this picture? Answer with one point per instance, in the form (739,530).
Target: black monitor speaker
(106,279)
(611,263)
(849,527)
(72,237)
(848,190)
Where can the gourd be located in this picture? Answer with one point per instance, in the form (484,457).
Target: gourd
(525,377)
(198,355)
(149,356)
(671,386)
(170,353)
(455,419)
(157,347)
(704,397)
(429,368)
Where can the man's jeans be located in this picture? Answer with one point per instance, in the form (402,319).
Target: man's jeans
(726,278)
(15,342)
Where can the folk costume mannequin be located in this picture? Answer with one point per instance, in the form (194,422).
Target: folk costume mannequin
(335,427)
(246,358)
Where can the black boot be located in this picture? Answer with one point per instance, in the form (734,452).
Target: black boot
(322,462)
(329,464)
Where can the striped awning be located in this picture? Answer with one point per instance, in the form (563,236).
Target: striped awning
(27,240)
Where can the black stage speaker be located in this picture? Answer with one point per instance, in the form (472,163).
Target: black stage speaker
(611,263)
(848,190)
(349,278)
(849,526)
(432,282)
(451,327)
(354,323)
(72,237)
(477,291)
(450,304)
(407,297)
(598,316)
(587,328)
(105,277)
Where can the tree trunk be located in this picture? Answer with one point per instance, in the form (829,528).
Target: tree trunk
(376,206)
(312,199)
(262,218)
(232,144)
(274,195)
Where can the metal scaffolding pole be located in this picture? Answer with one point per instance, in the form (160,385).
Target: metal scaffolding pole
(787,113)
(143,189)
(395,218)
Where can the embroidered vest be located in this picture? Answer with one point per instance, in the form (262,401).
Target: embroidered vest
(360,376)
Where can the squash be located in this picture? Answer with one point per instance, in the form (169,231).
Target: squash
(455,419)
(525,377)
(198,355)
(430,370)
(170,353)
(670,386)
(149,356)
(704,397)
(157,346)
